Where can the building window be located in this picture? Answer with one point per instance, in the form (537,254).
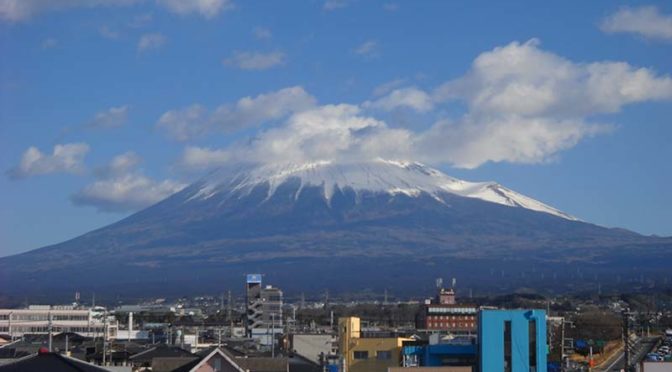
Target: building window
(360,354)
(532,325)
(383,355)
(507,346)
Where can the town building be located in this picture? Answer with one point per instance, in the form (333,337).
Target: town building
(263,310)
(367,351)
(444,314)
(43,319)
(453,354)
(512,340)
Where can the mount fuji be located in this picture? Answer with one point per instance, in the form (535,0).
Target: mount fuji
(345,226)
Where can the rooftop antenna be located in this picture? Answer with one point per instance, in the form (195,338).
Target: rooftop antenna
(439,283)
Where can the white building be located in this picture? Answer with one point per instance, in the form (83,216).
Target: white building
(38,319)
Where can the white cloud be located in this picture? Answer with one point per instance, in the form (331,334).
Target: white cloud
(111,118)
(475,140)
(389,86)
(184,124)
(119,165)
(206,8)
(198,158)
(344,132)
(66,158)
(120,187)
(20,10)
(254,111)
(49,43)
(646,21)
(325,132)
(368,48)
(108,33)
(255,60)
(522,79)
(127,193)
(522,105)
(151,41)
(412,98)
(262,33)
(247,112)
(391,7)
(330,5)
(140,20)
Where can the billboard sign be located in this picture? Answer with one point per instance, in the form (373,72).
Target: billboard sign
(254,278)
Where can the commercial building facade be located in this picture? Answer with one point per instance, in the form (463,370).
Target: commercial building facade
(367,353)
(41,319)
(444,314)
(263,317)
(512,340)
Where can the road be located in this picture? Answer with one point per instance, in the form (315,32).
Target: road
(642,347)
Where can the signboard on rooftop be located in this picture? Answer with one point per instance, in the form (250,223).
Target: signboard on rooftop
(254,278)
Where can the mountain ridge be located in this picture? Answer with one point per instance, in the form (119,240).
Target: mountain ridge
(348,237)
(379,175)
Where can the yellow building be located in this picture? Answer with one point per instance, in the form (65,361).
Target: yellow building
(367,354)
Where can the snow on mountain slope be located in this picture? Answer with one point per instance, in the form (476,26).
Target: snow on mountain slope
(392,177)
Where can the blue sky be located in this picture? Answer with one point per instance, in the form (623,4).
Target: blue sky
(107,106)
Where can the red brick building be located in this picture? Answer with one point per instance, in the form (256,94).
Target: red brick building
(444,314)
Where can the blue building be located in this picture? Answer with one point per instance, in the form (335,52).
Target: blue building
(439,355)
(512,340)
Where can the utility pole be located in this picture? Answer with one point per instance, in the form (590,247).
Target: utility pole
(9,326)
(272,335)
(229,306)
(626,340)
(50,332)
(104,336)
(563,342)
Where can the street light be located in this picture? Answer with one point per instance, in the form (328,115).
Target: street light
(9,327)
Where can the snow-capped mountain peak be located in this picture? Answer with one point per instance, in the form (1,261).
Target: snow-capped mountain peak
(377,176)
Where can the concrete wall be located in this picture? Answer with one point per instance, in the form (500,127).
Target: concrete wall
(310,346)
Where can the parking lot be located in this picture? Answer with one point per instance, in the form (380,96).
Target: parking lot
(663,352)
